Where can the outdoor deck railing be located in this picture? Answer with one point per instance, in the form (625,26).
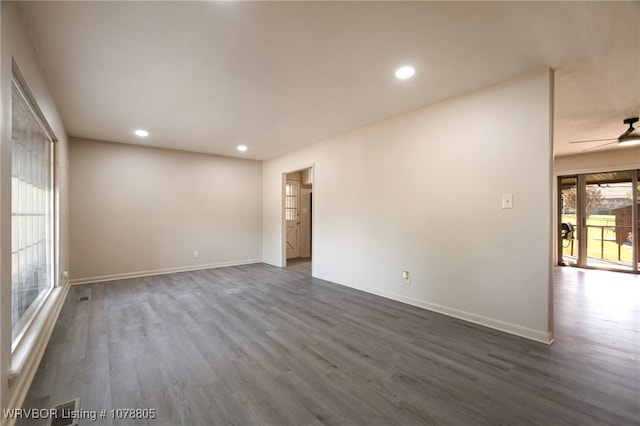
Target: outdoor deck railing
(609,233)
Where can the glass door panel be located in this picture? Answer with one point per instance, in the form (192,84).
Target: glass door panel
(568,233)
(636,219)
(608,211)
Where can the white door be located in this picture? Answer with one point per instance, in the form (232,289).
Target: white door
(292,217)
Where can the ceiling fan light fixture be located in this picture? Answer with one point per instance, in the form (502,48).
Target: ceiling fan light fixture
(630,140)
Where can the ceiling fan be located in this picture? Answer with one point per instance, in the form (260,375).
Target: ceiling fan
(626,139)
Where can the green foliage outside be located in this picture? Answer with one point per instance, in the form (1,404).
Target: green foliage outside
(594,244)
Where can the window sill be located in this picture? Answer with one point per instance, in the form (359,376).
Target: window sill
(28,352)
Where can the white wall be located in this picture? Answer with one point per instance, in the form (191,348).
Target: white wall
(623,158)
(422,192)
(138,210)
(16,47)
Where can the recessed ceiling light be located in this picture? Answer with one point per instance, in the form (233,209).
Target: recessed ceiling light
(141,133)
(242,148)
(405,72)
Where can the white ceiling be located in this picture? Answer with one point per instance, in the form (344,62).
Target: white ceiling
(207,76)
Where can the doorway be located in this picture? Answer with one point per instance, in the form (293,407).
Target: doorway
(599,225)
(298,216)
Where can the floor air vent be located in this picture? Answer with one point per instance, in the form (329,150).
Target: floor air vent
(66,413)
(84,298)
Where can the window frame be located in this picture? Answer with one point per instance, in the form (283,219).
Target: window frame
(32,312)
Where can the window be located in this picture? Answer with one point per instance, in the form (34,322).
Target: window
(291,201)
(32,213)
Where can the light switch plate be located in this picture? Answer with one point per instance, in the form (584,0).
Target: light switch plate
(507,201)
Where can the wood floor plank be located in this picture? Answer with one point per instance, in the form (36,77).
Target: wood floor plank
(259,345)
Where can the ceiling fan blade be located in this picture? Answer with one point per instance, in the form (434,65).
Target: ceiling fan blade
(600,146)
(594,140)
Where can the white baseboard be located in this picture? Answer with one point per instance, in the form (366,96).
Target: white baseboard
(138,274)
(27,356)
(518,330)
(272,262)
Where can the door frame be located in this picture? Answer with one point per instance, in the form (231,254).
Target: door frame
(283,221)
(558,235)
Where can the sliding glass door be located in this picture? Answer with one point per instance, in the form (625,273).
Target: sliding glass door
(601,209)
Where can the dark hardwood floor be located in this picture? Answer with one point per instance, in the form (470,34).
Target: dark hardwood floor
(259,345)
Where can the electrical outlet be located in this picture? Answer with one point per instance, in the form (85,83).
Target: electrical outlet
(405,277)
(196,253)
